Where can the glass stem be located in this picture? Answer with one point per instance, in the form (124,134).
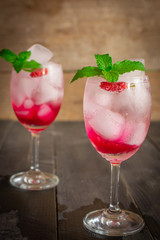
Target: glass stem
(114,202)
(35,152)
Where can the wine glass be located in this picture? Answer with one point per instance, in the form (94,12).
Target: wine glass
(36,99)
(116,123)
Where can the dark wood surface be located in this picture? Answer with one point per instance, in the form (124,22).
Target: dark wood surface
(84,184)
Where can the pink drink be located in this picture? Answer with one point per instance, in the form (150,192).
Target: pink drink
(36,100)
(38,117)
(117,122)
(111,149)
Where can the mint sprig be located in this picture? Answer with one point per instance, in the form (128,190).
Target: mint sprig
(87,72)
(30,66)
(8,55)
(108,71)
(111,76)
(127,66)
(104,62)
(20,61)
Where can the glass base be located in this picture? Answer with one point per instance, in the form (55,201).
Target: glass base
(34,180)
(105,223)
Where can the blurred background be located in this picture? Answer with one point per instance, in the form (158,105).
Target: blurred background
(75,30)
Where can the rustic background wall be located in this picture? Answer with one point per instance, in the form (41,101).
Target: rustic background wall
(75,30)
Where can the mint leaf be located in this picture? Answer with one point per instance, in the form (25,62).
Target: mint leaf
(24,55)
(111,76)
(29,66)
(87,72)
(128,66)
(8,55)
(18,65)
(107,70)
(104,62)
(20,62)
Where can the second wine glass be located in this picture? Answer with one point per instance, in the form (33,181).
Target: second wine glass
(116,118)
(36,99)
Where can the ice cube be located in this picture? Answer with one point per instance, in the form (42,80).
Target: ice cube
(55,74)
(132,77)
(28,86)
(28,103)
(141,99)
(139,134)
(128,131)
(108,124)
(17,96)
(23,84)
(92,86)
(14,77)
(45,112)
(46,93)
(95,97)
(89,107)
(40,53)
(124,102)
(135,100)
(104,98)
(24,114)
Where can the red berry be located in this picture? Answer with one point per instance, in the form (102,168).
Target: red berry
(39,72)
(113,87)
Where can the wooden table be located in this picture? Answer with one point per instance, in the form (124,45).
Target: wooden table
(84,184)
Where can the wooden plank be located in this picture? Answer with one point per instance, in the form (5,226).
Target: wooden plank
(142,175)
(25,215)
(4,130)
(17,148)
(35,212)
(14,154)
(154,133)
(84,183)
(47,150)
